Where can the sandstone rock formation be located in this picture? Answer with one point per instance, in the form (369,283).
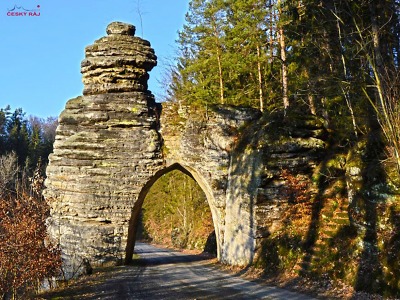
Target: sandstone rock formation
(109,151)
(113,143)
(237,157)
(107,146)
(203,141)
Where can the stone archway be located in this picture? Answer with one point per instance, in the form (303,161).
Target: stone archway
(142,195)
(112,143)
(108,153)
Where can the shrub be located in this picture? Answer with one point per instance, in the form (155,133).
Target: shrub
(27,257)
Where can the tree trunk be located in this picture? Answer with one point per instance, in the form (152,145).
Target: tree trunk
(285,97)
(219,60)
(346,77)
(260,82)
(376,42)
(311,102)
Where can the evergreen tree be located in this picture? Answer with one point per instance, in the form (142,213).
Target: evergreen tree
(35,142)
(2,132)
(18,136)
(30,138)
(202,60)
(225,54)
(247,47)
(334,58)
(4,117)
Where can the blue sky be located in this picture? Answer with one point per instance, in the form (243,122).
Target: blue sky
(41,55)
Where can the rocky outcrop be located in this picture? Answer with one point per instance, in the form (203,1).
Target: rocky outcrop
(256,191)
(109,151)
(106,149)
(237,157)
(293,145)
(202,141)
(118,62)
(278,196)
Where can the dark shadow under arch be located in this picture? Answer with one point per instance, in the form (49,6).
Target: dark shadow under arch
(138,205)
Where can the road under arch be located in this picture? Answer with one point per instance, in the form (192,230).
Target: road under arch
(133,223)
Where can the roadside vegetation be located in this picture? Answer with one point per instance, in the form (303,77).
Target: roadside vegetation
(28,259)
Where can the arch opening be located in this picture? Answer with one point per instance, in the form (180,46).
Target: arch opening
(182,234)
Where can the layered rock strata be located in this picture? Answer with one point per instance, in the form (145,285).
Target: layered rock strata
(108,154)
(237,157)
(107,147)
(203,141)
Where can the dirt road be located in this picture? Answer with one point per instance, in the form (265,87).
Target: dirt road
(166,274)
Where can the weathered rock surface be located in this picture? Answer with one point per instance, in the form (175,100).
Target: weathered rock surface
(202,142)
(237,158)
(108,153)
(112,144)
(107,146)
(118,62)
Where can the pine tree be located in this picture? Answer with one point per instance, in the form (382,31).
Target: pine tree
(18,136)
(318,55)
(30,138)
(247,46)
(202,60)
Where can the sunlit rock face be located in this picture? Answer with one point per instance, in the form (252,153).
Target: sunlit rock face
(204,142)
(240,155)
(257,191)
(113,143)
(118,62)
(106,149)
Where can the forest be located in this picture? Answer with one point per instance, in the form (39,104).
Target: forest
(338,60)
(176,213)
(30,138)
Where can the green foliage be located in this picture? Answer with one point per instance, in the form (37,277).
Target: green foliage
(175,212)
(30,138)
(343,64)
(224,55)
(229,52)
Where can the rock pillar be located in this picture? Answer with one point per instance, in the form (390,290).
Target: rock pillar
(107,147)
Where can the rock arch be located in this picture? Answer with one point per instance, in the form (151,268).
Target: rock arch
(142,195)
(112,143)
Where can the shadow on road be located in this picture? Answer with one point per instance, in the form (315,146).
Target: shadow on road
(151,256)
(166,260)
(165,274)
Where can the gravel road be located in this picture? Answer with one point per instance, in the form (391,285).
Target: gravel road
(167,274)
